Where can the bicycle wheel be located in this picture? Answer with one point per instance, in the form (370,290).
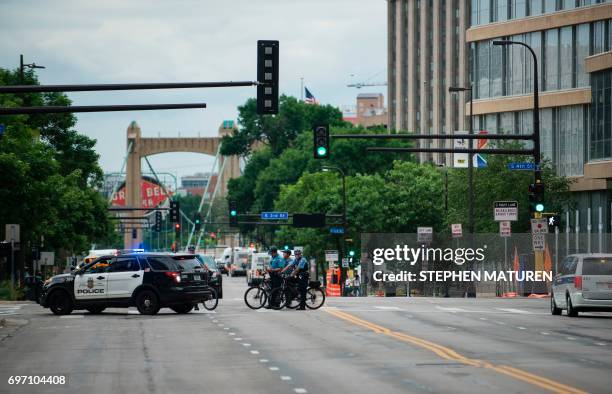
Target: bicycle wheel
(278,298)
(211,300)
(292,297)
(315,297)
(255,297)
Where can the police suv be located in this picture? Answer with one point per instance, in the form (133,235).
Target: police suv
(148,281)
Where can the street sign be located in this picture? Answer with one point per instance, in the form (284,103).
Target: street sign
(47,258)
(275,215)
(345,263)
(336,230)
(331,255)
(539,229)
(456,230)
(12,232)
(505,228)
(521,166)
(505,211)
(425,234)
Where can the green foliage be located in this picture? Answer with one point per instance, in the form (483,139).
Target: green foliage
(496,183)
(48,172)
(278,131)
(7,293)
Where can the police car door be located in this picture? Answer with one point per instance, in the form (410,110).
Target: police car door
(124,275)
(91,283)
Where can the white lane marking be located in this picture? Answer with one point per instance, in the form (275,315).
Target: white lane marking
(600,344)
(215,321)
(285,377)
(388,308)
(220,325)
(261,360)
(255,352)
(246,344)
(521,328)
(450,309)
(10,307)
(300,390)
(544,333)
(72,317)
(482,318)
(570,338)
(237,339)
(232,333)
(501,323)
(226,328)
(513,310)
(273,368)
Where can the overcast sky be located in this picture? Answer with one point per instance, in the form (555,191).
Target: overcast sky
(124,41)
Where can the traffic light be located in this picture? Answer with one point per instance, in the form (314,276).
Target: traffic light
(174,211)
(351,253)
(233,214)
(536,197)
(321,142)
(177,229)
(267,76)
(158,220)
(198,222)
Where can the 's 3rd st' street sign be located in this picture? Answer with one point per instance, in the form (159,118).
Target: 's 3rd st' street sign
(275,215)
(505,211)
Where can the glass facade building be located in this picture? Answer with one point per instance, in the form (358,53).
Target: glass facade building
(572,41)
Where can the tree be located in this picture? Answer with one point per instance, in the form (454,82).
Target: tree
(47,175)
(496,183)
(278,131)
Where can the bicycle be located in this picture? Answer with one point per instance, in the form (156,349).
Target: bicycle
(256,296)
(289,295)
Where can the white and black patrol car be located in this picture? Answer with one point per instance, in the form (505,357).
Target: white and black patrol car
(148,281)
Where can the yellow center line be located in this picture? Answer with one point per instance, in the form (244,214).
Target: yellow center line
(450,354)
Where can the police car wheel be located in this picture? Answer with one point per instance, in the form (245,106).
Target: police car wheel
(96,310)
(147,303)
(60,303)
(181,309)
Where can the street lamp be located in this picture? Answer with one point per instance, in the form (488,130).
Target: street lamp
(22,65)
(536,107)
(454,89)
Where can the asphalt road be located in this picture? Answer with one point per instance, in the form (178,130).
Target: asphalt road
(352,345)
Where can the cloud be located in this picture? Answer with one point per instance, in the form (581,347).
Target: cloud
(117,41)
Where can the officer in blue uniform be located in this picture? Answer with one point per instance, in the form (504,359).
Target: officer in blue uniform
(302,272)
(275,267)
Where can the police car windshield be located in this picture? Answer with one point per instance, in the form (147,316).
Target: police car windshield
(597,266)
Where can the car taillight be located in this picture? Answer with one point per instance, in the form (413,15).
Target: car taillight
(578,282)
(175,276)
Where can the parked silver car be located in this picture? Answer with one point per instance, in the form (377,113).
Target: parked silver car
(584,283)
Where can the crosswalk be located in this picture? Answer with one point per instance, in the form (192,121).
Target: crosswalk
(10,309)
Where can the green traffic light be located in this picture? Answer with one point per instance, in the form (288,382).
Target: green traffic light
(233,212)
(539,207)
(352,253)
(321,151)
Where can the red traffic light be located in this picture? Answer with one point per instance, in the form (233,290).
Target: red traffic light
(177,226)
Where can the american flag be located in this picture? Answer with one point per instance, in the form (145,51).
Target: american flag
(310,99)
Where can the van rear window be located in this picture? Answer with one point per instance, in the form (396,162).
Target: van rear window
(597,266)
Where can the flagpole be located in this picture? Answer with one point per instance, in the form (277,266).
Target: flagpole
(302,89)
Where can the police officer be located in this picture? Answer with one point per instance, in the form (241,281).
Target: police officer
(302,272)
(276,265)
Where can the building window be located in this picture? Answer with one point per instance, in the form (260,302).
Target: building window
(566,56)
(551,59)
(582,51)
(600,141)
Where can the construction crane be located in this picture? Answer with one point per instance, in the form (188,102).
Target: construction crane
(360,85)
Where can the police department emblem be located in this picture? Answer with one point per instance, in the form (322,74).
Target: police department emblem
(90,283)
